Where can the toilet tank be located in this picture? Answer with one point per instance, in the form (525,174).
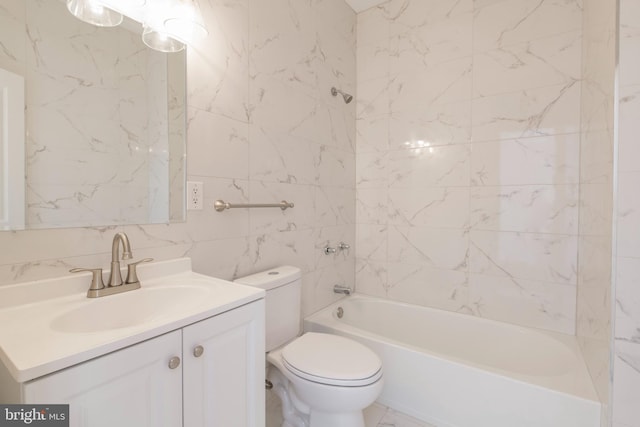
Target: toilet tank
(283,286)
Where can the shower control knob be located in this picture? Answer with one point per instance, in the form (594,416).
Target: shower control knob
(329,250)
(343,246)
(198,351)
(174,362)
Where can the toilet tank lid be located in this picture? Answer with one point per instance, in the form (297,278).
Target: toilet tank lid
(272,278)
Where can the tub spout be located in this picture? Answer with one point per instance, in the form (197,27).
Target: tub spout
(342,289)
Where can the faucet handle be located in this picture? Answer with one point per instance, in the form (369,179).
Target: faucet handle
(96,279)
(132,272)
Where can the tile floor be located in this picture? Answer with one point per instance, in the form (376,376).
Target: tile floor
(375,415)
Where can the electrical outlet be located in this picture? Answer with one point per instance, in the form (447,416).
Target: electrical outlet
(195,196)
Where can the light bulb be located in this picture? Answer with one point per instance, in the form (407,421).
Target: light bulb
(93,12)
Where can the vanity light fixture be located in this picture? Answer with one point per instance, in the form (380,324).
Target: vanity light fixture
(161,41)
(185,22)
(94,12)
(168,25)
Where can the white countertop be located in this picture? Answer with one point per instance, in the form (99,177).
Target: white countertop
(30,345)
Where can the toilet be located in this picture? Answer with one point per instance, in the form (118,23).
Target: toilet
(323,380)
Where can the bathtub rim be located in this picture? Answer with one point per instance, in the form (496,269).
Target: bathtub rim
(558,384)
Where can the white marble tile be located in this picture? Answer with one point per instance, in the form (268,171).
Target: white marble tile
(217,65)
(415,49)
(393,418)
(596,157)
(336,16)
(420,89)
(280,157)
(628,215)
(411,15)
(508,22)
(36,245)
(439,125)
(629,41)
(373,61)
(428,286)
(273,410)
(626,384)
(334,166)
(551,160)
(217,146)
(372,26)
(420,167)
(371,242)
(627,316)
(339,126)
(373,98)
(433,247)
(334,206)
(431,207)
(373,414)
(12,36)
(597,103)
(532,208)
(550,110)
(283,44)
(283,248)
(278,107)
(629,146)
(372,206)
(541,257)
(535,63)
(371,170)
(593,317)
(226,259)
(371,277)
(372,135)
(317,291)
(529,303)
(596,209)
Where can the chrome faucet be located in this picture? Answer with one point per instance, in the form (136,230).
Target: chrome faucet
(342,289)
(115,277)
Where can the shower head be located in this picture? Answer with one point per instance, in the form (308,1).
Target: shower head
(347,98)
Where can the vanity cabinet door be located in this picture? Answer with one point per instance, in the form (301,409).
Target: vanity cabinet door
(130,387)
(224,369)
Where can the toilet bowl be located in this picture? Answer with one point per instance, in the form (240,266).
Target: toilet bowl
(323,380)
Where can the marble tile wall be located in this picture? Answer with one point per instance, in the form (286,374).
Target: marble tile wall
(262,127)
(593,314)
(626,355)
(468,156)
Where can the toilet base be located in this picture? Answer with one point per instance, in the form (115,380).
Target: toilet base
(298,414)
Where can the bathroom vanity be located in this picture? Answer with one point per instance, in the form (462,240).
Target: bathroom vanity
(184,350)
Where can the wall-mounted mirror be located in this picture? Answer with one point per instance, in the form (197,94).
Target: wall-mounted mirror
(104,122)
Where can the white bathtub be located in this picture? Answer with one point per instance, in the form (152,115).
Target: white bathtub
(453,370)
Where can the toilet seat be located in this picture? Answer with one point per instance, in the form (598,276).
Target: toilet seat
(332,360)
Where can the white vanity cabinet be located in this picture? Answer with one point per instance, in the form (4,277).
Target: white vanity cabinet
(130,387)
(219,381)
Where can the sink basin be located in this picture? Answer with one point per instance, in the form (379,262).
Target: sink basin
(128,309)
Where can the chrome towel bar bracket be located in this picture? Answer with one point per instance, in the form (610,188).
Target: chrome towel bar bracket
(221,205)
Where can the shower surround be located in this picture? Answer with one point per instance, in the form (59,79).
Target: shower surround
(468,156)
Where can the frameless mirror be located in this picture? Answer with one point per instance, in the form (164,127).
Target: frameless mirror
(104,122)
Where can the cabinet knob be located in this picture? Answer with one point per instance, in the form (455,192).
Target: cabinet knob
(198,351)
(174,362)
